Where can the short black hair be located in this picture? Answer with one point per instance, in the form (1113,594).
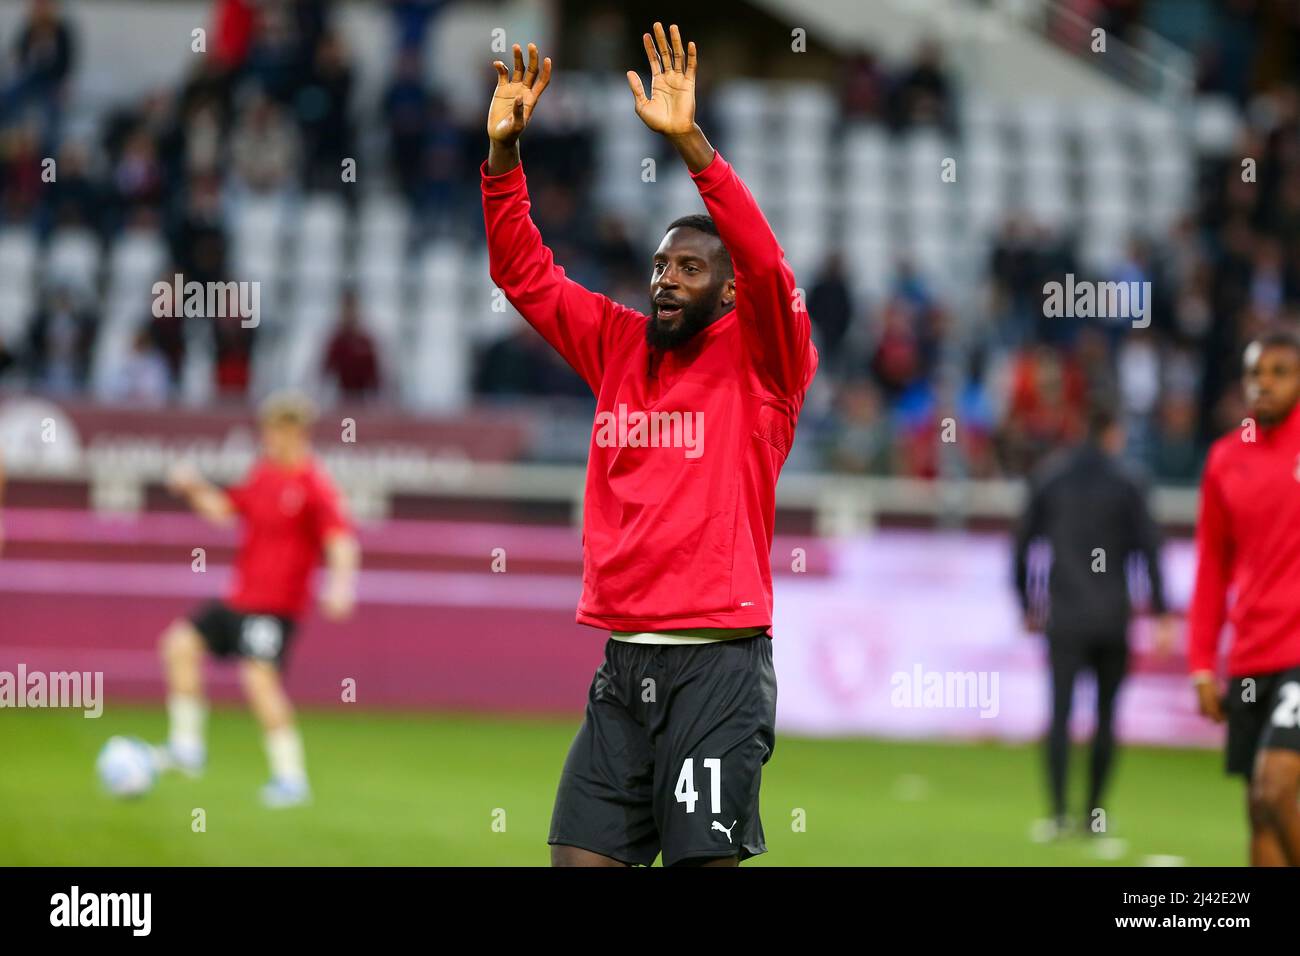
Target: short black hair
(695,221)
(1278,336)
(1102,415)
(705,224)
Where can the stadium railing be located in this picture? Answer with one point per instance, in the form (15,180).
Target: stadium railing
(837,504)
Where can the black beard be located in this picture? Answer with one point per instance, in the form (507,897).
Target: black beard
(695,317)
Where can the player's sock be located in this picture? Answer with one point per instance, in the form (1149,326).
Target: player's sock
(285,753)
(186,715)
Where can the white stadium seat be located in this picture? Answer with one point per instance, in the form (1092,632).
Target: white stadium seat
(17,307)
(17,255)
(73,259)
(137,258)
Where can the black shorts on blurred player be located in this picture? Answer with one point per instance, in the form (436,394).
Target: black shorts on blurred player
(1271,719)
(231,633)
(670,753)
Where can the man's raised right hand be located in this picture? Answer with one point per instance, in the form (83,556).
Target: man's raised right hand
(516,95)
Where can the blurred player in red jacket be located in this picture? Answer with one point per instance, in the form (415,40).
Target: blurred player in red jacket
(289,514)
(1248,544)
(696,405)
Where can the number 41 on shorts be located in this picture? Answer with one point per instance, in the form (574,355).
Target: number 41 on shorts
(685,791)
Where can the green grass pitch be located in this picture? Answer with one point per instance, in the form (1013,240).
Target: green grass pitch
(419,789)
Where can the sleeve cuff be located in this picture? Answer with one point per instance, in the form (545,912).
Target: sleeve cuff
(507,182)
(712,173)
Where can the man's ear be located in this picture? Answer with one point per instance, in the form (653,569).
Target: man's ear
(729,292)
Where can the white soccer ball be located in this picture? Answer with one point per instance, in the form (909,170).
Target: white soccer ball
(126,767)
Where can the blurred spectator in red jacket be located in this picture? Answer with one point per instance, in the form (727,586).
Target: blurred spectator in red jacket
(233,343)
(20,173)
(233,27)
(897,360)
(865,89)
(1044,408)
(351,361)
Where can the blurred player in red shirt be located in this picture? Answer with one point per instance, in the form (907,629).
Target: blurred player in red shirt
(1248,544)
(289,514)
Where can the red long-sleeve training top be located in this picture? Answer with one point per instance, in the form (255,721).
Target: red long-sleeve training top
(1248,541)
(686,444)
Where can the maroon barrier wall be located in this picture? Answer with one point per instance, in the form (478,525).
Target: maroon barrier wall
(450,658)
(436,628)
(481,435)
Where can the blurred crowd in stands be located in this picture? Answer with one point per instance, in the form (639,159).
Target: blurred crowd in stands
(268,111)
(271,109)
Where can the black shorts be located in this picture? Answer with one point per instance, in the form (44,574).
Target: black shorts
(1270,718)
(670,753)
(231,633)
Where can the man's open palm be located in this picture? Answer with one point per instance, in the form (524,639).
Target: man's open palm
(670,107)
(516,94)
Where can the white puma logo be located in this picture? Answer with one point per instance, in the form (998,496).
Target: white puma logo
(726,830)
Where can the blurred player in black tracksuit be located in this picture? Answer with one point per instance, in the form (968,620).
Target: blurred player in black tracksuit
(1094,516)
